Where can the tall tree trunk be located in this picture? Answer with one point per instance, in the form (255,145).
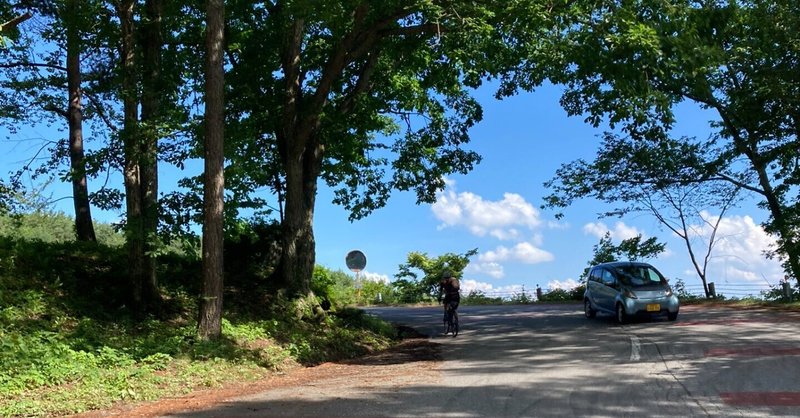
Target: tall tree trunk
(80,190)
(299,145)
(210,321)
(301,157)
(130,140)
(298,252)
(148,161)
(786,232)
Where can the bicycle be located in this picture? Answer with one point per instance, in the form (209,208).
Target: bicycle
(450,320)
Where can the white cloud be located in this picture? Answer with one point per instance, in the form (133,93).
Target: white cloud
(738,253)
(505,234)
(469,285)
(619,233)
(567,284)
(375,277)
(492,269)
(510,219)
(500,219)
(524,252)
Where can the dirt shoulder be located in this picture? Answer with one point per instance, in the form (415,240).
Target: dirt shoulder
(410,359)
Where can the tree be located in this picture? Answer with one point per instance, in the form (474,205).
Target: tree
(74,115)
(8,26)
(210,323)
(630,249)
(72,16)
(633,61)
(419,277)
(666,179)
(149,102)
(368,96)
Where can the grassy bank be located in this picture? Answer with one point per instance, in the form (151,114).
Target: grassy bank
(68,343)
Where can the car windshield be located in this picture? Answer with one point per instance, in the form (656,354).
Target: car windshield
(640,275)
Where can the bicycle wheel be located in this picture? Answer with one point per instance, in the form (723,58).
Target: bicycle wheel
(446,323)
(455,323)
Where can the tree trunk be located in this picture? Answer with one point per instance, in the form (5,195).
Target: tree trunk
(298,252)
(134,231)
(787,236)
(210,321)
(80,190)
(148,161)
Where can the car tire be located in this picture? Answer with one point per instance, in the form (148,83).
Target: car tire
(672,316)
(587,309)
(622,317)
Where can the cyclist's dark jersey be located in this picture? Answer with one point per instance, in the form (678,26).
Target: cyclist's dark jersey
(450,289)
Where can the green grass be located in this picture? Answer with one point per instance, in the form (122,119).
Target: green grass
(55,363)
(69,345)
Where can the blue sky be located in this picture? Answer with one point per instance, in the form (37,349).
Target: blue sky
(495,208)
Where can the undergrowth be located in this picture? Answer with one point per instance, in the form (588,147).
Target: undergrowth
(65,352)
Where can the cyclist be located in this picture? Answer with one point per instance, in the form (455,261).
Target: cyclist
(449,288)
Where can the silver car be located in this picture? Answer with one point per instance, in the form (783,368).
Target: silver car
(626,289)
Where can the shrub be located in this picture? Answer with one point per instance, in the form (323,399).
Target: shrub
(556,295)
(477,297)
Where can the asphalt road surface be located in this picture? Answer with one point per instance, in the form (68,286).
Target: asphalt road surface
(549,360)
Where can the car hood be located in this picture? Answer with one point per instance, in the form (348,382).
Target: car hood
(650,291)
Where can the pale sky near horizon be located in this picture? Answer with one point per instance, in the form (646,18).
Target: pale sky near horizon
(495,208)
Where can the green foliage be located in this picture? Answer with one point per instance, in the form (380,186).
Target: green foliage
(398,65)
(631,63)
(418,279)
(53,228)
(556,295)
(63,352)
(679,288)
(477,297)
(342,290)
(777,293)
(251,251)
(374,292)
(520,298)
(322,282)
(632,249)
(563,295)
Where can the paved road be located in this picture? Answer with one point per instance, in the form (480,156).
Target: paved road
(548,360)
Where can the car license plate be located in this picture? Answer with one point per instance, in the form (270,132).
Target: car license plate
(653,307)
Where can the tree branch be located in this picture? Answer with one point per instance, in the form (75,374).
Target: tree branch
(55,109)
(99,110)
(11,24)
(33,64)
(362,84)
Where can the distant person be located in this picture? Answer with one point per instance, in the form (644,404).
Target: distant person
(450,291)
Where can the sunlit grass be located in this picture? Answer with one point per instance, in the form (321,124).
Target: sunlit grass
(55,363)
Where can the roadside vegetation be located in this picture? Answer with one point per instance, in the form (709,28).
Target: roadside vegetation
(69,341)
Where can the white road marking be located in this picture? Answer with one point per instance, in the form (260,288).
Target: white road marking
(635,348)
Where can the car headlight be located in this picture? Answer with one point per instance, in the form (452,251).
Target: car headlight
(629,294)
(668,292)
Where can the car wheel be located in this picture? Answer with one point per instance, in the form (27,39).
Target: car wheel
(622,317)
(587,309)
(672,316)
